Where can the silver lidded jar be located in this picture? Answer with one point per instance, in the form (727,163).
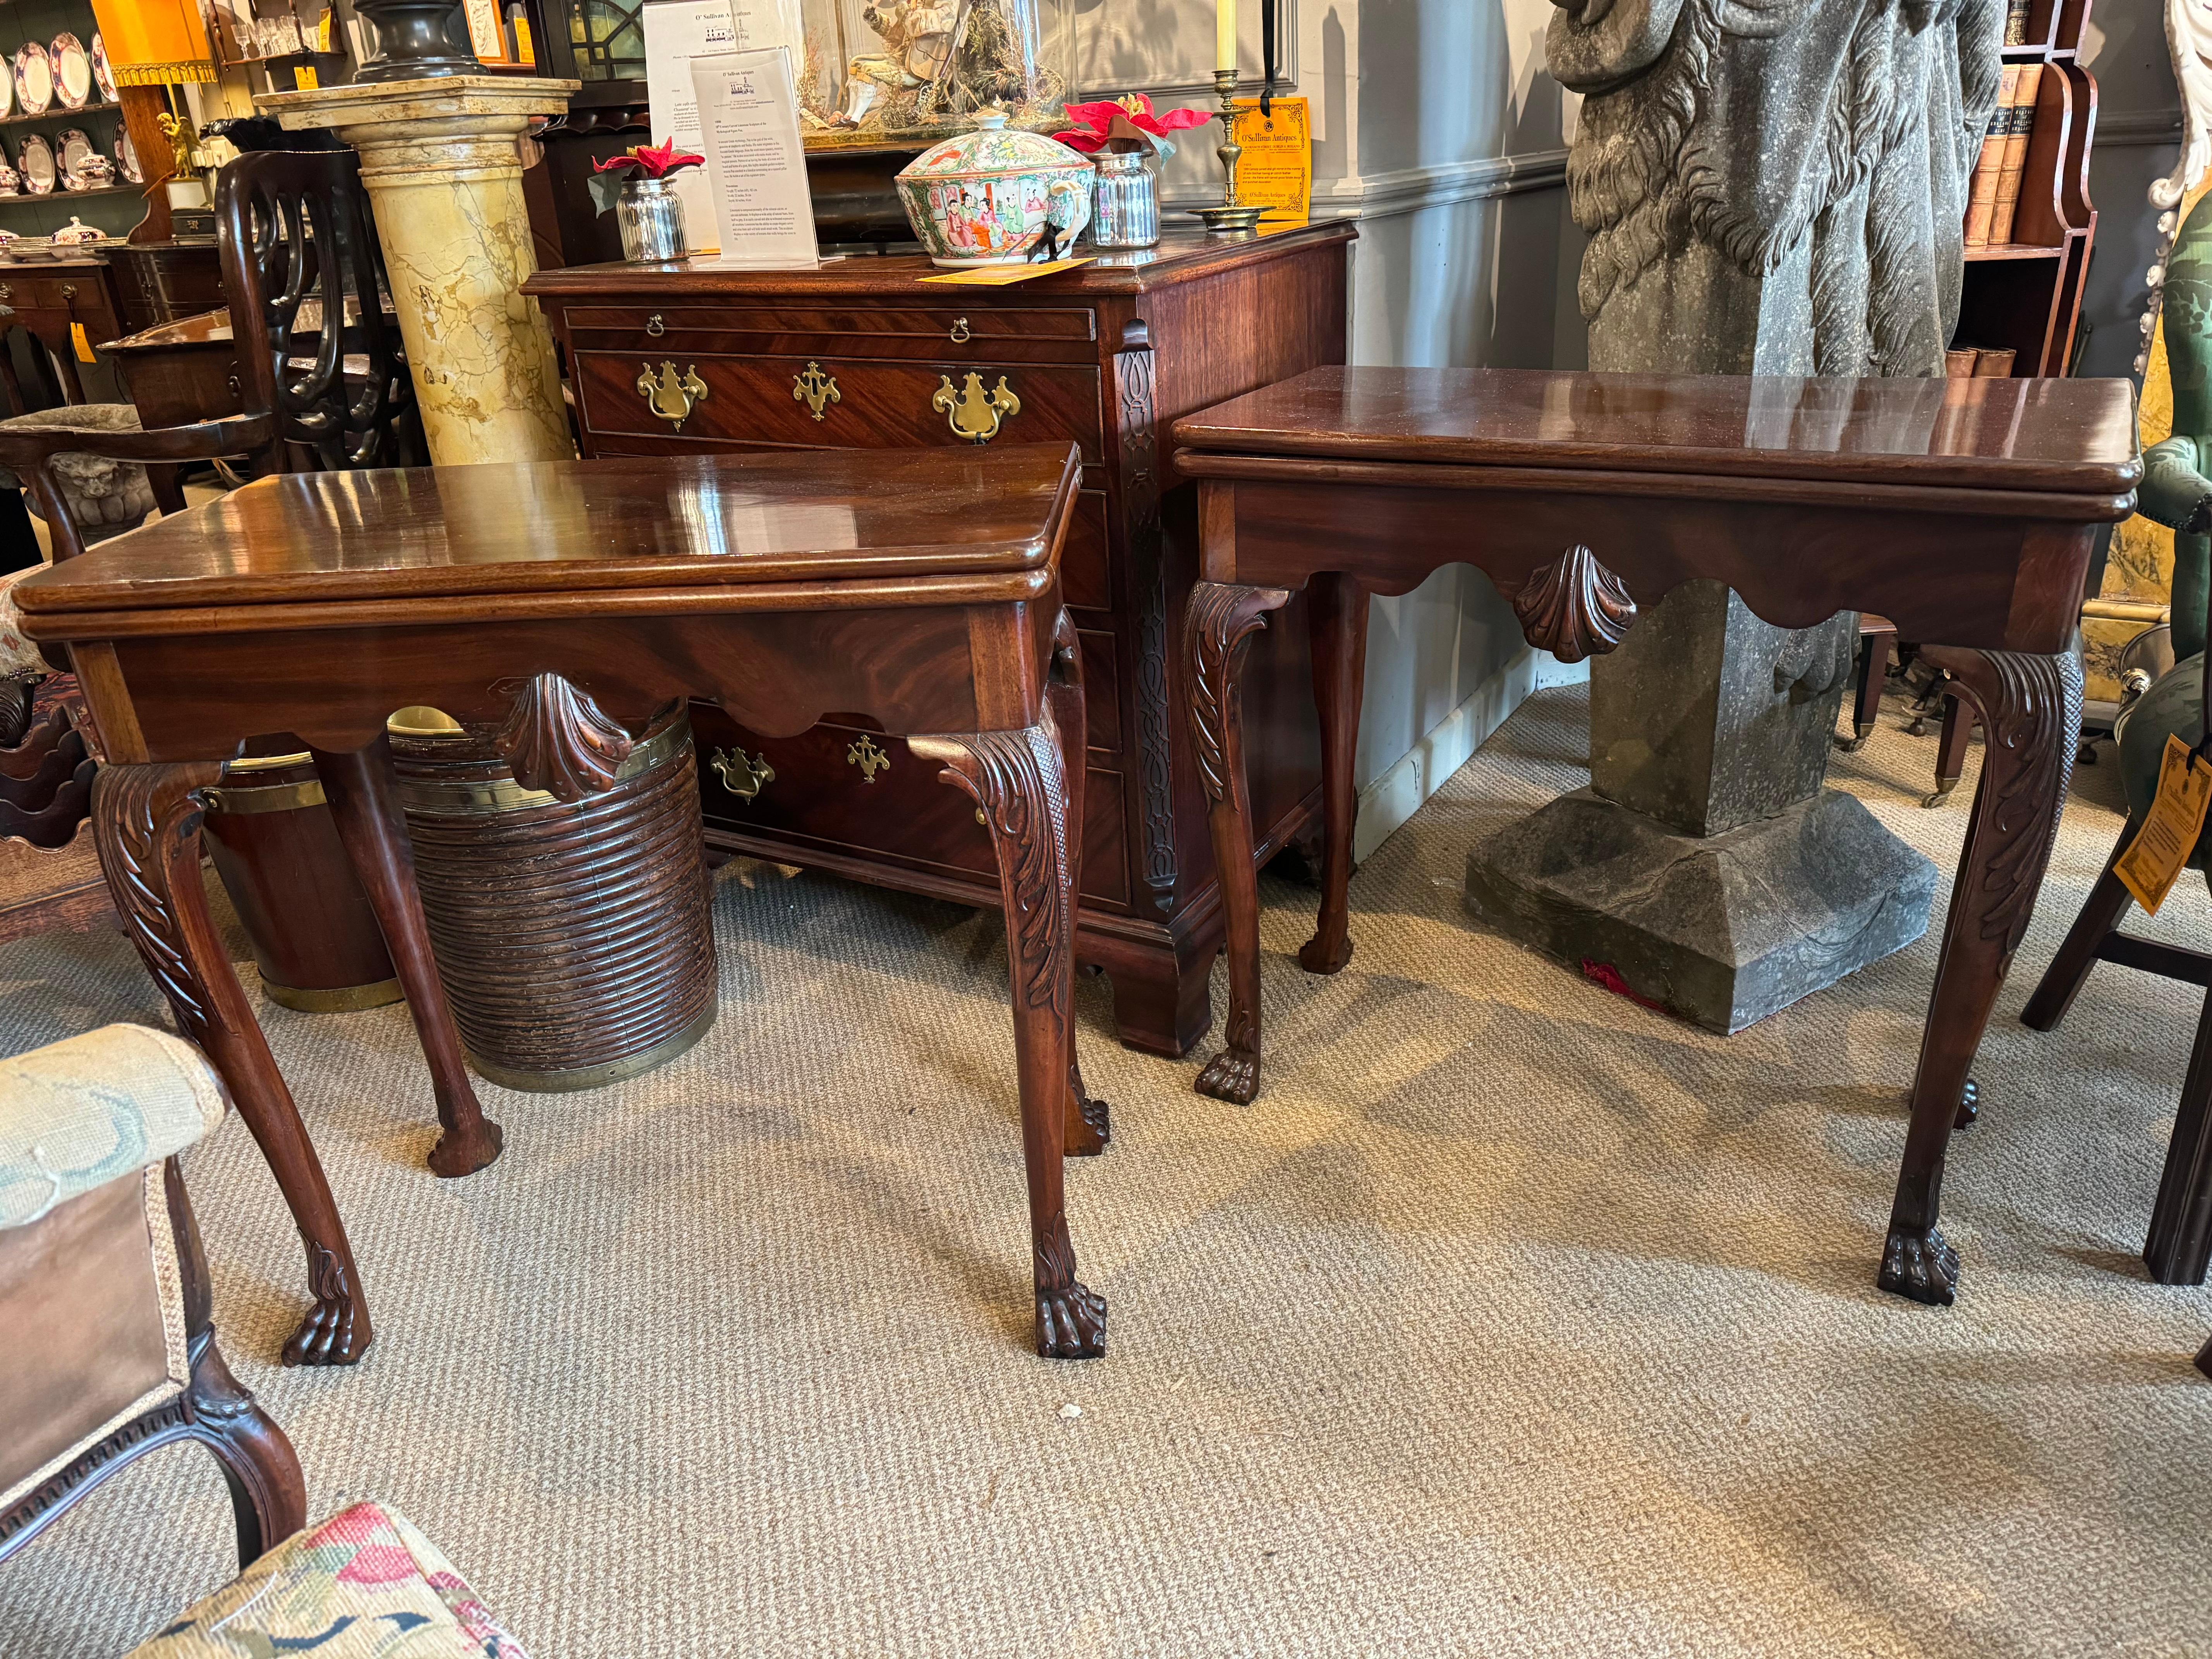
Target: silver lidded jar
(1127,213)
(651,217)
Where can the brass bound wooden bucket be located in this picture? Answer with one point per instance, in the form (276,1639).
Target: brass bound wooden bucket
(277,848)
(574,939)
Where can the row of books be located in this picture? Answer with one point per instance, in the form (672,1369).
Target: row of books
(1993,199)
(1977,362)
(2016,22)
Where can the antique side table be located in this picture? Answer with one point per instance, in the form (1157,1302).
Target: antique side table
(561,604)
(1963,510)
(693,356)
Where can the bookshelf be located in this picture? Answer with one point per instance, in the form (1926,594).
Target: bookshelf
(2025,293)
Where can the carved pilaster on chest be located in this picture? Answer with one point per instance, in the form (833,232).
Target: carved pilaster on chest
(1147,566)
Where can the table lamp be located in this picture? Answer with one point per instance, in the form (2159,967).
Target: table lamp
(152,43)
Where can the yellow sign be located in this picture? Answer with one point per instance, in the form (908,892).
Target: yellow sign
(303,78)
(83,345)
(1276,169)
(2154,859)
(1004,276)
(323,29)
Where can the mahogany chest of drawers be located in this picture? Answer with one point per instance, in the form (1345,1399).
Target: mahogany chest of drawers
(692,357)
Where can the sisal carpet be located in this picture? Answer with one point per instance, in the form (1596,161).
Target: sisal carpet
(1512,1320)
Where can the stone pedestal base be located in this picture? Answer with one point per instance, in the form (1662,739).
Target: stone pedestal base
(1720,930)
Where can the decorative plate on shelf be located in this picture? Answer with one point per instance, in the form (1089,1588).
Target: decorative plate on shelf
(34,79)
(126,158)
(35,157)
(7,89)
(72,67)
(103,76)
(71,150)
(11,182)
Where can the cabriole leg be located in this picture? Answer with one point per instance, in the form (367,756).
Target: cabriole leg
(2030,708)
(146,824)
(1016,778)
(1218,625)
(369,822)
(1338,629)
(1088,1127)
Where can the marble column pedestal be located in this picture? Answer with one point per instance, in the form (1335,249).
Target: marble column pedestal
(1706,870)
(442,162)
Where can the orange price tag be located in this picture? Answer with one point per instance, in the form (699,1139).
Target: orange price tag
(2154,860)
(82,344)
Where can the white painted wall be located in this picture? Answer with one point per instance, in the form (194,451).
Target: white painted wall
(1436,125)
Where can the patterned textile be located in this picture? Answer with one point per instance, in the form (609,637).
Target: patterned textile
(365,1584)
(104,496)
(77,1114)
(19,658)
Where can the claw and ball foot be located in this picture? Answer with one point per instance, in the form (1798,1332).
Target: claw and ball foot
(1232,1077)
(1071,1323)
(1970,1105)
(1920,1267)
(335,1330)
(1089,1128)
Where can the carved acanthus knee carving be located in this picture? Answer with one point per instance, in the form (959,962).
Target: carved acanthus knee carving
(556,739)
(1574,607)
(1220,620)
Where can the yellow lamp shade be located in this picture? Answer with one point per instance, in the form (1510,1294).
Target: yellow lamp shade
(153,43)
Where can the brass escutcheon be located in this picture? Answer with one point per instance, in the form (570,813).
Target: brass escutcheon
(654,326)
(68,290)
(960,334)
(973,413)
(669,396)
(816,389)
(742,777)
(870,759)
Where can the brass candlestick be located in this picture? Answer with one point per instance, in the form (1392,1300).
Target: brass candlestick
(1232,217)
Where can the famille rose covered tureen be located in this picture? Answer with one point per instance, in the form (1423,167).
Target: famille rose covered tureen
(996,196)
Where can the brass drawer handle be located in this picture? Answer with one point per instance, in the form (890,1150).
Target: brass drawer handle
(816,389)
(870,759)
(6,292)
(654,326)
(973,413)
(68,290)
(742,777)
(960,334)
(669,396)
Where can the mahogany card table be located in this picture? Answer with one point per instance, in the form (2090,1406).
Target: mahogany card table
(1965,510)
(561,605)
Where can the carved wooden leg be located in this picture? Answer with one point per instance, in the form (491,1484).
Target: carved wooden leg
(1088,1126)
(268,1493)
(1221,621)
(2030,708)
(2179,1245)
(1337,627)
(367,813)
(146,825)
(1015,777)
(2104,910)
(1876,642)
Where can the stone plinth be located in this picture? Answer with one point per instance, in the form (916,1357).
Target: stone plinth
(1721,930)
(442,161)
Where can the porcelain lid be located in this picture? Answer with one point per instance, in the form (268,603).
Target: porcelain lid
(993,147)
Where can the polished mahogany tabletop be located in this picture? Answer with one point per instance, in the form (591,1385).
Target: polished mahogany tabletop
(2002,434)
(616,527)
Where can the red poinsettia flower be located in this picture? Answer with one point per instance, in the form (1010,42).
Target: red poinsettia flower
(653,160)
(1092,123)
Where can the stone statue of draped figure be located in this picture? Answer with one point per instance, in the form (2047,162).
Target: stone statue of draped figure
(1774,186)
(1771,187)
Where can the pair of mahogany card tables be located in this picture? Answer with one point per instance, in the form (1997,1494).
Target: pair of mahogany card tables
(561,605)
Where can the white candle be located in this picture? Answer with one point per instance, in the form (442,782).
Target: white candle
(1225,34)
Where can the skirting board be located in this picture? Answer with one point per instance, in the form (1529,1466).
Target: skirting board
(1446,746)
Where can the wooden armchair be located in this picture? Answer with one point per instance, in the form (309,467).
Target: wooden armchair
(105,1310)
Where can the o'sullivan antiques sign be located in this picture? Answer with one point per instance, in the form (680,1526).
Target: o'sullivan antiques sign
(1276,169)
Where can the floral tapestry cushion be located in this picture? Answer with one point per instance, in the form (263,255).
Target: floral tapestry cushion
(19,658)
(365,1584)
